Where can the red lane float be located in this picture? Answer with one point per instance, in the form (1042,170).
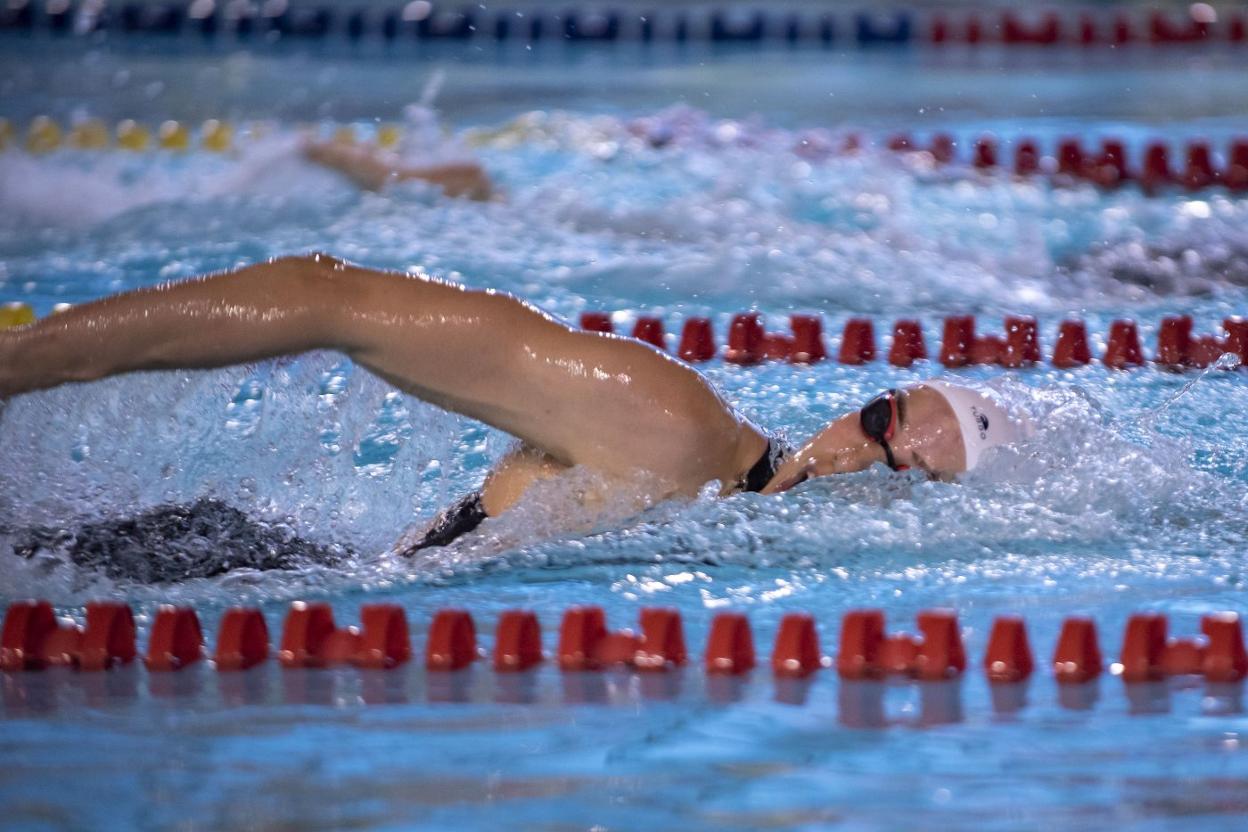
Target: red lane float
(697,341)
(1236,176)
(1071,349)
(176,641)
(1026,158)
(1108,170)
(596,322)
(985,153)
(1046,33)
(1123,349)
(242,639)
(908,346)
(796,653)
(858,342)
(1008,657)
(959,338)
(1070,161)
(1022,342)
(868,653)
(943,148)
(650,330)
(1174,342)
(582,630)
(900,143)
(452,642)
(1156,173)
(808,346)
(745,340)
(310,638)
(1199,173)
(585,643)
(33,639)
(1236,338)
(517,641)
(1077,657)
(730,646)
(777,346)
(1148,655)
(1162,30)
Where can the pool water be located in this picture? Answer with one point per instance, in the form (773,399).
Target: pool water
(1130,497)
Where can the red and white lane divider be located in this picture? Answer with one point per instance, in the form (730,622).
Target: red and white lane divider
(1201,24)
(33,639)
(1019,345)
(1070,162)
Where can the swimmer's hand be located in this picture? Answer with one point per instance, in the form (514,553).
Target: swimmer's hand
(372,169)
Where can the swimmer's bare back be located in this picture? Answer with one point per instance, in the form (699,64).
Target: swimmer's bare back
(612,404)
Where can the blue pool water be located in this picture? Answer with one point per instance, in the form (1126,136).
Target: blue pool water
(1131,497)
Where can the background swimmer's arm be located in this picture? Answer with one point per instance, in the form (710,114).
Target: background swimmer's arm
(372,169)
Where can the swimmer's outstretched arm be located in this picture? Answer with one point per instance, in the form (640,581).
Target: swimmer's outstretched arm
(581,398)
(373,169)
(412,330)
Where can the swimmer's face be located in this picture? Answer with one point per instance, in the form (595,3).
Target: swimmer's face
(926,438)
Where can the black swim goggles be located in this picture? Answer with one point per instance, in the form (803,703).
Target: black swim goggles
(879,419)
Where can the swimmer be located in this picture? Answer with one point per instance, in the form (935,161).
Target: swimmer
(614,405)
(372,169)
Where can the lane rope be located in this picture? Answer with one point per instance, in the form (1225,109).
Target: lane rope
(34,639)
(1197,164)
(260,25)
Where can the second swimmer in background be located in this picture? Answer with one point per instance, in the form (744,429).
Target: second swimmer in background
(372,168)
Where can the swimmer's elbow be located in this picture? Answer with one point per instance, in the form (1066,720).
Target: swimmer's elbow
(326,288)
(303,278)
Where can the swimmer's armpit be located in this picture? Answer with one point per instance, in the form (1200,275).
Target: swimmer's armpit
(373,169)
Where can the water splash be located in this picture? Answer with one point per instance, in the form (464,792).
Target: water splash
(676,213)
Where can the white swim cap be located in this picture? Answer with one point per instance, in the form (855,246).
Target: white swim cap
(983,422)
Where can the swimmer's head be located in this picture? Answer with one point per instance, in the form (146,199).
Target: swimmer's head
(939,427)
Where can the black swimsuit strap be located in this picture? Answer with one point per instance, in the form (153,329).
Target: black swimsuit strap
(764,470)
(461,518)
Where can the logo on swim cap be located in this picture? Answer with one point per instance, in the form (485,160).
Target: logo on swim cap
(981,419)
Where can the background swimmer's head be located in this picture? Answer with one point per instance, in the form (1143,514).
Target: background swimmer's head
(940,427)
